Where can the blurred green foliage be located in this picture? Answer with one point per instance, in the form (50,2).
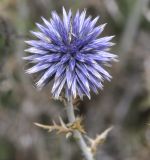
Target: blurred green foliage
(7,150)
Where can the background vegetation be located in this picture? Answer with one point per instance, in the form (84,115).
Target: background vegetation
(124,103)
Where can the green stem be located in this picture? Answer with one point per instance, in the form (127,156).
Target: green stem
(77,135)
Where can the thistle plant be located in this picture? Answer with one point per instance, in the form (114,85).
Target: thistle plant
(70,53)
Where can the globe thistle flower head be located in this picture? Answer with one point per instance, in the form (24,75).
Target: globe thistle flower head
(69,51)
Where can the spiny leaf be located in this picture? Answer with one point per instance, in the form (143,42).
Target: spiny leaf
(64,128)
(99,140)
(76,125)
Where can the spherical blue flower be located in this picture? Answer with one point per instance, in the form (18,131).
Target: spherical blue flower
(70,52)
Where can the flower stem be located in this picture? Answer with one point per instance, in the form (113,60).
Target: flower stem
(77,135)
